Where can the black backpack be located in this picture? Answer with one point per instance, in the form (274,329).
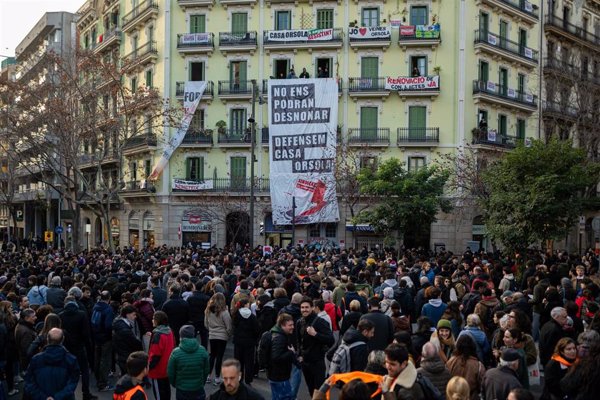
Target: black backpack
(430,392)
(264,350)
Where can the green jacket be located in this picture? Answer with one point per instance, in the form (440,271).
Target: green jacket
(188,366)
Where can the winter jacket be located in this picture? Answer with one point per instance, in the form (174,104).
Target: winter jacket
(245,328)
(76,327)
(554,371)
(280,303)
(405,386)
(498,382)
(124,340)
(293,310)
(539,292)
(24,336)
(178,311)
(550,334)
(162,343)
(480,339)
(102,331)
(37,295)
(281,358)
(266,317)
(384,330)
(244,392)
(350,320)
(436,371)
(471,369)
(434,310)
(335,314)
(197,304)
(52,373)
(145,311)
(159,296)
(580,383)
(219,326)
(354,296)
(126,384)
(507,283)
(313,348)
(55,296)
(188,366)
(358,354)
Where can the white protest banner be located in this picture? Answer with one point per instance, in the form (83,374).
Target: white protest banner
(193,91)
(404,83)
(395,23)
(491,135)
(192,186)
(194,38)
(490,86)
(374,32)
(511,93)
(528,52)
(492,39)
(302,139)
(299,35)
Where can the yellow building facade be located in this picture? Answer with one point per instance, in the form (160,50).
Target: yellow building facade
(469,80)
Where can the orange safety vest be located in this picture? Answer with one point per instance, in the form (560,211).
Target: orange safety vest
(350,376)
(129,394)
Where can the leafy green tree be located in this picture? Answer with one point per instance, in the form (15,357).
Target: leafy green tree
(536,192)
(407,201)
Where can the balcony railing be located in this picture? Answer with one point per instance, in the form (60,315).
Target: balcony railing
(140,140)
(522,6)
(142,51)
(491,39)
(491,138)
(108,37)
(227,184)
(192,137)
(131,16)
(369,135)
(139,185)
(237,39)
(234,136)
(303,36)
(367,84)
(560,108)
(574,30)
(419,32)
(418,135)
(195,40)
(235,87)
(208,91)
(498,90)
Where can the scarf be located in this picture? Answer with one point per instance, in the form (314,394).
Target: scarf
(563,360)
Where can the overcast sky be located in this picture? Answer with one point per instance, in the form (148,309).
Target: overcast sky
(17,17)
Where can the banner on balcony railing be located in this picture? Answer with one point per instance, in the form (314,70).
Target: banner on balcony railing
(413,83)
(373,32)
(300,34)
(302,138)
(193,91)
(194,38)
(192,186)
(421,31)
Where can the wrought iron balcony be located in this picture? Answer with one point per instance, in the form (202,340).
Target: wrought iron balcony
(195,42)
(369,136)
(490,137)
(235,136)
(231,39)
(552,21)
(367,84)
(418,136)
(193,138)
(139,14)
(560,110)
(108,39)
(505,94)
(506,47)
(233,88)
(225,185)
(141,55)
(521,9)
(312,37)
(420,35)
(209,91)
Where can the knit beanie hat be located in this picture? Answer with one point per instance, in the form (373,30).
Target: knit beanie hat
(444,323)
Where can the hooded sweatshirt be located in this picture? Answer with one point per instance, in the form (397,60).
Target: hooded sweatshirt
(188,366)
(434,310)
(126,384)
(245,328)
(162,343)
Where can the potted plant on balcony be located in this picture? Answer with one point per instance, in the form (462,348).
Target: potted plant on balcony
(221,127)
(437,70)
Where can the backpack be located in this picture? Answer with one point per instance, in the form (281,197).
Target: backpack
(97,322)
(340,362)
(430,392)
(264,350)
(512,286)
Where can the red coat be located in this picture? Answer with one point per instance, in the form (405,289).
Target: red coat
(331,309)
(162,344)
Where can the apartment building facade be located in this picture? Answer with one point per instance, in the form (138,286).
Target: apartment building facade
(480,58)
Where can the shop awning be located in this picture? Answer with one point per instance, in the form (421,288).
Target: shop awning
(359,227)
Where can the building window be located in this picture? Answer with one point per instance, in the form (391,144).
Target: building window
(197,124)
(133,169)
(150,34)
(94,37)
(330,230)
(314,231)
(149,126)
(86,42)
(197,23)
(417,122)
(368,162)
(196,71)
(325,18)
(147,168)
(418,15)
(484,71)
(282,20)
(368,123)
(502,125)
(418,66)
(521,129)
(149,78)
(239,22)
(370,17)
(521,84)
(414,163)
(238,122)
(369,67)
(133,84)
(194,169)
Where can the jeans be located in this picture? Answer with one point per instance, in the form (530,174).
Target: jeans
(102,361)
(295,380)
(190,395)
(281,390)
(84,369)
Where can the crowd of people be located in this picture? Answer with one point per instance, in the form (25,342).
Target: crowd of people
(409,325)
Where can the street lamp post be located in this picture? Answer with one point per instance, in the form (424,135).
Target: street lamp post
(252,121)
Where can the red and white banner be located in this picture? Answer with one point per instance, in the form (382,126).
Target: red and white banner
(413,83)
(302,137)
(300,34)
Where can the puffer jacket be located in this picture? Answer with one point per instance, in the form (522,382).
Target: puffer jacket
(245,328)
(188,366)
(436,371)
(162,343)
(124,340)
(358,354)
(52,373)
(282,358)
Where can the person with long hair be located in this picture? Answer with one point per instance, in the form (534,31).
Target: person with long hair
(51,321)
(564,357)
(513,338)
(444,340)
(581,380)
(10,321)
(218,322)
(518,319)
(464,362)
(458,389)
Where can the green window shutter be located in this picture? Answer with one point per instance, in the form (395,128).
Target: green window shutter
(484,71)
(239,22)
(417,122)
(370,17)
(243,74)
(521,84)
(521,129)
(502,125)
(324,19)
(368,123)
(238,172)
(197,23)
(369,67)
(238,121)
(484,24)
(149,81)
(188,169)
(195,168)
(503,81)
(418,15)
(522,38)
